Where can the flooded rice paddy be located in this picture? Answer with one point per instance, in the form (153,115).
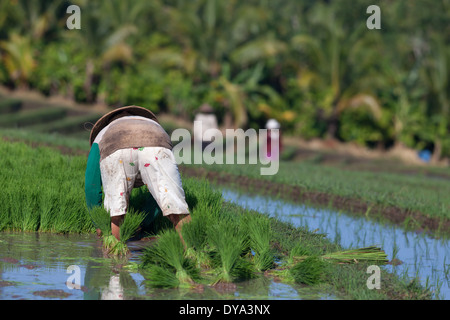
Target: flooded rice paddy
(42,266)
(413,254)
(48,266)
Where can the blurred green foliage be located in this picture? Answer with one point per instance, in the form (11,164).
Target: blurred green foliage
(313,65)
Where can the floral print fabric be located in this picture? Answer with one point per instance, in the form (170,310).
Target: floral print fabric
(155,167)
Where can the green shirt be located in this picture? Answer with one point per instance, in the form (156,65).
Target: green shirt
(93,178)
(93,187)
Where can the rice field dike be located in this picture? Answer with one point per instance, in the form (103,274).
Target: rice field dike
(43,191)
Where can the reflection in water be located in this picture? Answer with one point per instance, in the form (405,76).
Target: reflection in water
(418,254)
(114,291)
(36,266)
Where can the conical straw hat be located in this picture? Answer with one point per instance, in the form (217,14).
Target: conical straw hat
(118,113)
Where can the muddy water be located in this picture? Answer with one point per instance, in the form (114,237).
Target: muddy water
(413,254)
(41,266)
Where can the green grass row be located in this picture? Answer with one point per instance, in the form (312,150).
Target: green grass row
(43,119)
(43,191)
(414,192)
(27,118)
(9,105)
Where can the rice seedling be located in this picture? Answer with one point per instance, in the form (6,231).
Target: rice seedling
(309,271)
(260,235)
(128,229)
(47,209)
(368,254)
(167,264)
(101,220)
(205,205)
(229,243)
(131,223)
(41,190)
(309,268)
(195,237)
(371,254)
(305,264)
(161,277)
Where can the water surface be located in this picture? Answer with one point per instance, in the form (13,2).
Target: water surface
(42,266)
(419,254)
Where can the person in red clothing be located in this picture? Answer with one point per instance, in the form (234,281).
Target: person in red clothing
(273,136)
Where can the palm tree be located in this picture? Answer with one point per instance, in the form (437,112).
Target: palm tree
(336,66)
(415,74)
(217,41)
(18,58)
(31,21)
(106,29)
(435,74)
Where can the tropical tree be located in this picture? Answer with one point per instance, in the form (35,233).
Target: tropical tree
(107,40)
(336,68)
(435,79)
(313,65)
(18,59)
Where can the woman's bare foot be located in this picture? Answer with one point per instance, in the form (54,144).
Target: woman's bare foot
(116,221)
(178,220)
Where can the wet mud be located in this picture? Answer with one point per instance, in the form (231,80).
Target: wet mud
(52,293)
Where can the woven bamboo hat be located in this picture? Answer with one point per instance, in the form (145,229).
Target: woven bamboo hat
(118,113)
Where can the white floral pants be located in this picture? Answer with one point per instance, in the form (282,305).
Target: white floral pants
(155,167)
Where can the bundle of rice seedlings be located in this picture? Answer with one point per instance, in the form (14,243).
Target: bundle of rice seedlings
(258,229)
(161,277)
(196,238)
(102,220)
(229,243)
(128,229)
(131,224)
(368,254)
(371,254)
(200,195)
(167,263)
(304,266)
(309,271)
(109,243)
